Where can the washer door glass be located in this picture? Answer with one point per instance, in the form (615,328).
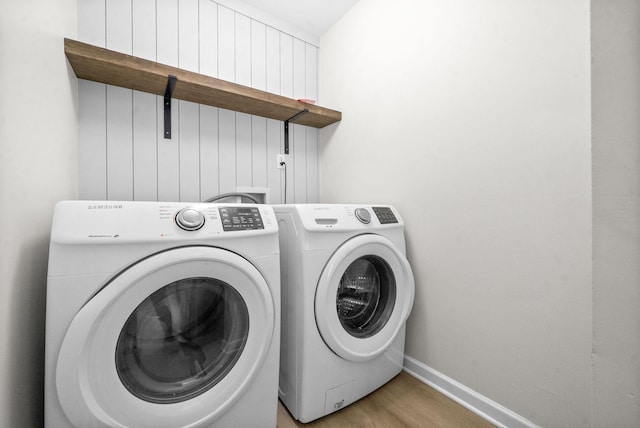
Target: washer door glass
(366,296)
(181,340)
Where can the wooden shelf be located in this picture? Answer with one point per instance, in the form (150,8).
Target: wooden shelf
(114,68)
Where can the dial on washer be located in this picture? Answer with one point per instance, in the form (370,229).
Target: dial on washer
(189,219)
(363,215)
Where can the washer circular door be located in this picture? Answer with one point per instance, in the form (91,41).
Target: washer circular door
(364,296)
(173,340)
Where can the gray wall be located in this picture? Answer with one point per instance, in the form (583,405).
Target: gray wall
(38,167)
(473,118)
(616,212)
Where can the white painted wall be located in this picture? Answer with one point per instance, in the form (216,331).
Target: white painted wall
(473,118)
(616,212)
(38,145)
(122,150)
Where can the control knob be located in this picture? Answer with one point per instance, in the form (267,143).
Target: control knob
(189,219)
(363,215)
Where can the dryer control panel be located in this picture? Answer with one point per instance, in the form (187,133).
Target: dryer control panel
(347,217)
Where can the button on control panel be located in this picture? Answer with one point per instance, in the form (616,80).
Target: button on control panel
(189,219)
(240,218)
(363,215)
(385,215)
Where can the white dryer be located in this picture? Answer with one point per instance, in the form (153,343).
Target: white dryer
(347,290)
(162,315)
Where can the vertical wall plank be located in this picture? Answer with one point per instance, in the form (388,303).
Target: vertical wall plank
(119,143)
(189,152)
(311,165)
(298,132)
(299,73)
(188,35)
(189,113)
(286,89)
(209,180)
(275,176)
(258,50)
(208,37)
(311,72)
(286,65)
(226,44)
(242,50)
(208,28)
(168,150)
(243,121)
(274,127)
(144,29)
(91,22)
(118,24)
(227,119)
(243,150)
(167,32)
(92,114)
(299,149)
(258,56)
(227,151)
(119,107)
(92,140)
(272,58)
(259,161)
(311,92)
(145,149)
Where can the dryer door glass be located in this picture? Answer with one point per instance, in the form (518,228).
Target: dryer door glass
(182,340)
(363,298)
(366,296)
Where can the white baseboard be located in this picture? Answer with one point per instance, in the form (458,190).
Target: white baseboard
(477,403)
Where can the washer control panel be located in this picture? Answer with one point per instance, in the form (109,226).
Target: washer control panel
(146,221)
(189,219)
(240,218)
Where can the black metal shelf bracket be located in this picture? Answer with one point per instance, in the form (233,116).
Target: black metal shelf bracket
(286,129)
(171,84)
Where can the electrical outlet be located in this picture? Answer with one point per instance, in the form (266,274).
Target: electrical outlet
(281,161)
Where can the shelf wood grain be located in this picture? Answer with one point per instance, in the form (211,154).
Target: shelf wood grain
(102,65)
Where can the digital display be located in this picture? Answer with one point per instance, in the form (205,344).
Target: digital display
(240,218)
(385,215)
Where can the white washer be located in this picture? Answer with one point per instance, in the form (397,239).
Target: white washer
(347,290)
(162,315)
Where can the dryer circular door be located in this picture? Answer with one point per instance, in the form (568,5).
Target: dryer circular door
(172,341)
(364,296)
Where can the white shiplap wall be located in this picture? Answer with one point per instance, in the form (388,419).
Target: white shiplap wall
(123,154)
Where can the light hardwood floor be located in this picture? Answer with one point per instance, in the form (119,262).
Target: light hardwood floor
(404,402)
